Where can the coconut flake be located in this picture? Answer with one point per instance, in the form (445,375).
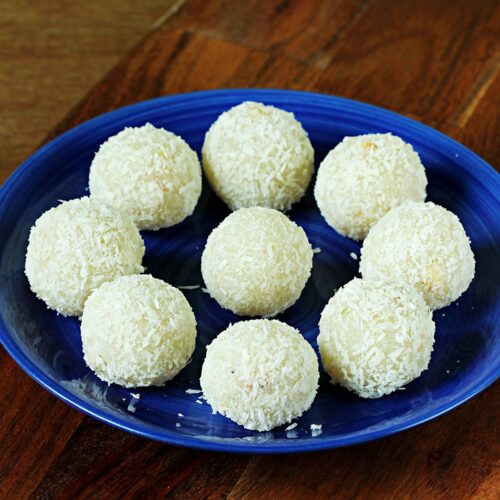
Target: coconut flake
(256,276)
(149,173)
(375,336)
(423,245)
(260,374)
(363,178)
(270,161)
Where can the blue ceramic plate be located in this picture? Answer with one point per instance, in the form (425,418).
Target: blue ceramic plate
(466,358)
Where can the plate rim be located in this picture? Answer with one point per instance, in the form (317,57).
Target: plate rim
(172,437)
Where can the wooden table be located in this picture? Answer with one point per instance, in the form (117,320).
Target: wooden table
(434,60)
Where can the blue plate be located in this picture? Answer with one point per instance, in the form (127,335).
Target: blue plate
(466,358)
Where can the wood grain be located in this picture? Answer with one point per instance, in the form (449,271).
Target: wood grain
(428,462)
(299,30)
(52,52)
(434,60)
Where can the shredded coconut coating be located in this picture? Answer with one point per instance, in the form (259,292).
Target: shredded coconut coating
(137,331)
(75,247)
(375,336)
(256,262)
(423,245)
(363,177)
(257,155)
(260,374)
(148,172)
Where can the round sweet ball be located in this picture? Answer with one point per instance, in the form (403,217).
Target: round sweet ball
(363,177)
(76,247)
(258,155)
(256,262)
(149,173)
(137,331)
(375,336)
(260,374)
(423,245)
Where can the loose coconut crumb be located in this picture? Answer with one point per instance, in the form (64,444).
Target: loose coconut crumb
(131,405)
(316,430)
(354,256)
(188,287)
(291,426)
(317,250)
(193,391)
(180,415)
(135,395)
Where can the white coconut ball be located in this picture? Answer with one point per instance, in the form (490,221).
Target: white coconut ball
(363,177)
(258,155)
(375,336)
(148,172)
(256,262)
(75,247)
(137,331)
(260,374)
(423,245)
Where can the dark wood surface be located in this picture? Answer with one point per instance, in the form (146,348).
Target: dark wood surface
(434,60)
(51,53)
